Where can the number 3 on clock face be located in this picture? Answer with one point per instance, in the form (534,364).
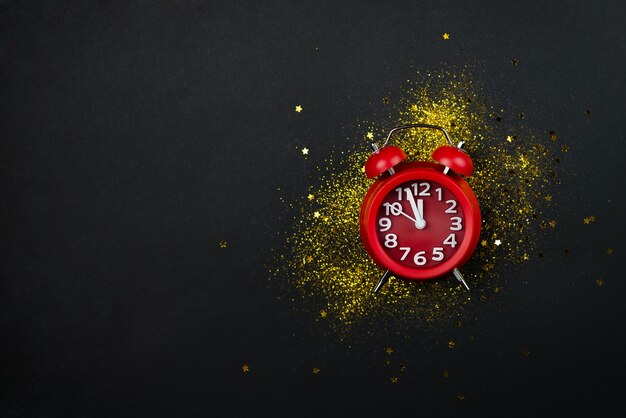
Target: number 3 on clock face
(420,224)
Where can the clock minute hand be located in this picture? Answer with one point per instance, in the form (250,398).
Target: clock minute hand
(419,221)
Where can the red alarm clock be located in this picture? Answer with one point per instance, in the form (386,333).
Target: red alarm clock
(420,220)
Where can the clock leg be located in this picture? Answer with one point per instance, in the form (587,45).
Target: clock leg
(382,281)
(460,278)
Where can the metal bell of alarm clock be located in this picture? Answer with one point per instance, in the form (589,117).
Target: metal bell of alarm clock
(420,220)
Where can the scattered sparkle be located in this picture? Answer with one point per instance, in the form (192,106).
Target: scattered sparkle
(315,370)
(548,197)
(323,313)
(223,244)
(394,379)
(451,344)
(525,352)
(461,397)
(599,282)
(445,374)
(565,148)
(552,224)
(309,258)
(609,251)
(525,257)
(553,136)
(389,350)
(245,368)
(310,197)
(446,36)
(316,214)
(483,243)
(386,100)
(589,219)
(299,109)
(370,135)
(509,138)
(497,242)
(514,61)
(305,151)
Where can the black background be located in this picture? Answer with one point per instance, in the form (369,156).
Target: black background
(137,135)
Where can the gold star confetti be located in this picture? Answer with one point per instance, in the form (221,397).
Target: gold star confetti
(609,251)
(316,370)
(525,352)
(461,397)
(451,344)
(414,108)
(299,109)
(565,148)
(389,350)
(309,259)
(310,197)
(245,368)
(589,219)
(525,257)
(514,61)
(509,138)
(553,136)
(599,282)
(483,243)
(549,198)
(386,100)
(446,36)
(323,313)
(305,151)
(394,380)
(370,135)
(316,214)
(223,244)
(445,374)
(497,242)
(552,224)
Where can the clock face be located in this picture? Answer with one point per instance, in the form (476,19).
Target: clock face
(420,224)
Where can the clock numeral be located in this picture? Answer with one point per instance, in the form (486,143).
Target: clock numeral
(391,240)
(452,207)
(406,250)
(426,187)
(393,208)
(399,191)
(385,224)
(451,240)
(439,193)
(456,223)
(419,258)
(437,254)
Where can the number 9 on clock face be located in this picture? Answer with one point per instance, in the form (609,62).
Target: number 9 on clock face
(420,224)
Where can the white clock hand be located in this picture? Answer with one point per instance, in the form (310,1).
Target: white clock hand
(419,221)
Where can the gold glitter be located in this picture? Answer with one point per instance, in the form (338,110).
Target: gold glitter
(483,243)
(548,198)
(386,100)
(599,282)
(445,374)
(525,257)
(323,313)
(451,344)
(370,135)
(394,380)
(552,224)
(509,138)
(609,251)
(509,181)
(305,151)
(310,197)
(553,136)
(446,36)
(245,368)
(316,370)
(461,397)
(223,244)
(514,61)
(389,350)
(564,148)
(299,109)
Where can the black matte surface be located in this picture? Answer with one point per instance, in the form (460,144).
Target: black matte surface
(136,135)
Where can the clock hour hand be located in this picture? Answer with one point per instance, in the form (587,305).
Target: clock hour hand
(420,223)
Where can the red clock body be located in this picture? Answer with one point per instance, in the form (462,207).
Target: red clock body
(420,223)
